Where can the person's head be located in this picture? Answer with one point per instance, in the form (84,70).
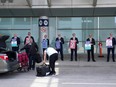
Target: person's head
(15,35)
(90,35)
(59,35)
(111,35)
(31,41)
(45,36)
(73,34)
(29,33)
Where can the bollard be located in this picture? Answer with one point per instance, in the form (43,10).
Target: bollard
(100,50)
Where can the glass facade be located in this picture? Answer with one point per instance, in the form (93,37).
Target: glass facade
(99,27)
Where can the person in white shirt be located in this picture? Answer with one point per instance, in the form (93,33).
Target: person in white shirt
(53,56)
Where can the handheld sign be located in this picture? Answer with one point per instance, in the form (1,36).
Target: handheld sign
(109,43)
(72,44)
(87,45)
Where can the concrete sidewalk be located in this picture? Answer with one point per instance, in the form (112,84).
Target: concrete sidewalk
(68,74)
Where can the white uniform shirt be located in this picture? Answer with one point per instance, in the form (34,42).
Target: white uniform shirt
(50,51)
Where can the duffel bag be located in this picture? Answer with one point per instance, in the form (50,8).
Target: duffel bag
(42,70)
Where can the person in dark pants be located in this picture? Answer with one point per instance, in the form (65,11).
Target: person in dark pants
(27,41)
(73,46)
(31,54)
(15,42)
(112,48)
(45,44)
(53,56)
(59,45)
(92,42)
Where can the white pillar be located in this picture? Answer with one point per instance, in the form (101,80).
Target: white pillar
(43,29)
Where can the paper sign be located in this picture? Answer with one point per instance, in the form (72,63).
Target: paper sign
(14,43)
(72,44)
(87,45)
(109,43)
(58,45)
(44,44)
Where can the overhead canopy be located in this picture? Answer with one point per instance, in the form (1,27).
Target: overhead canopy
(18,8)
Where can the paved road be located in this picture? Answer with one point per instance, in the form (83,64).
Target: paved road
(68,74)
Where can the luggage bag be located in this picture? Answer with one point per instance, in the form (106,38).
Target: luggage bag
(23,61)
(42,70)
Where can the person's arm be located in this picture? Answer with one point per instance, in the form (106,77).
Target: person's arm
(25,46)
(18,40)
(36,46)
(69,42)
(77,41)
(33,39)
(62,40)
(48,42)
(25,40)
(93,42)
(11,40)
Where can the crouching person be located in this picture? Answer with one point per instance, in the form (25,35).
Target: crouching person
(53,56)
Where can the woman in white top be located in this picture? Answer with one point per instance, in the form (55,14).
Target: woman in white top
(53,56)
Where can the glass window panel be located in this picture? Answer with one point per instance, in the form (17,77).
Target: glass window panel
(107,22)
(5,21)
(22,21)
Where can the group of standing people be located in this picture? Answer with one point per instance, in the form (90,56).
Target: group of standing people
(73,45)
(52,53)
(30,47)
(15,42)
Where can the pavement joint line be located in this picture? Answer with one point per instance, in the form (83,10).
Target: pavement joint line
(69,83)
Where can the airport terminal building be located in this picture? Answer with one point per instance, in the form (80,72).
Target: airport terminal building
(82,17)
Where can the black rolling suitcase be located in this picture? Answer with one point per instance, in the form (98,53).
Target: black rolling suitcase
(42,70)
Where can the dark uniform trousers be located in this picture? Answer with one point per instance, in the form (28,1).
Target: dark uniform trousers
(74,50)
(52,61)
(92,54)
(108,55)
(61,53)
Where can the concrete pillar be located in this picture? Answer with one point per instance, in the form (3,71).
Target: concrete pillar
(43,29)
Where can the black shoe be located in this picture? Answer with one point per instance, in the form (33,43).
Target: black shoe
(94,61)
(71,60)
(62,59)
(52,73)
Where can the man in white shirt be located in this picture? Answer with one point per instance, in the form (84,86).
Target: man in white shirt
(53,56)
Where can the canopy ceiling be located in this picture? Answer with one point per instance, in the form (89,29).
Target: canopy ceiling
(19,8)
